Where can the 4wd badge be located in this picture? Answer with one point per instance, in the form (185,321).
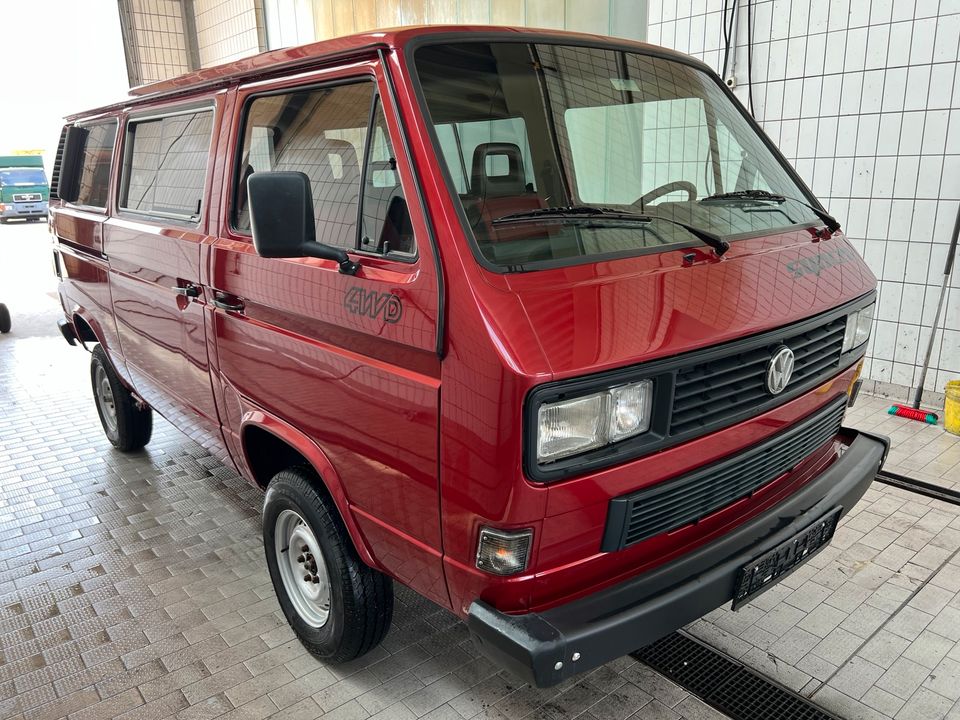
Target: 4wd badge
(373,304)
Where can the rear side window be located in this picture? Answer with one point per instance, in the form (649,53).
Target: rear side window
(95,164)
(165,165)
(326,134)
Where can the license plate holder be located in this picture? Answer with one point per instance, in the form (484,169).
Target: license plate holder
(762,573)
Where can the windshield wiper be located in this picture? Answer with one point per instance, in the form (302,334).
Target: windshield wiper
(826,218)
(589,214)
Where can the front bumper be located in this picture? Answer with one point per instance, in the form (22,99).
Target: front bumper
(541,647)
(13,211)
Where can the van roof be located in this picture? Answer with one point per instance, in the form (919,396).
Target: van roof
(21,161)
(319,53)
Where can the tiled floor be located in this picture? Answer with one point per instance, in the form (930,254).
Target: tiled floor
(921,451)
(135,587)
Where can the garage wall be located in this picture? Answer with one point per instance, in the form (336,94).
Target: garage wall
(227,30)
(864,99)
(289,21)
(155,42)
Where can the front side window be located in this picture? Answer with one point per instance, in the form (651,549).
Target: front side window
(528,128)
(165,165)
(320,132)
(95,167)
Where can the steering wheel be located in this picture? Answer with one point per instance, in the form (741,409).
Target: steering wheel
(666,189)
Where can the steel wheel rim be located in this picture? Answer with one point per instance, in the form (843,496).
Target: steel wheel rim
(303,571)
(108,406)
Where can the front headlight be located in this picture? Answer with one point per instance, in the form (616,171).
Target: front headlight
(858,327)
(571,427)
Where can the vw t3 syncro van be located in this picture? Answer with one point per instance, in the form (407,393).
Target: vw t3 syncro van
(538,324)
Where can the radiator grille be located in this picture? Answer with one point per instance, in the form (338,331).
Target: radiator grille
(676,503)
(709,391)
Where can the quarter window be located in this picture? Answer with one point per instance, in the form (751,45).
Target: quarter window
(165,165)
(95,169)
(385,221)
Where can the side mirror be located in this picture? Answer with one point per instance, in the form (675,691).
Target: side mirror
(282,220)
(71,163)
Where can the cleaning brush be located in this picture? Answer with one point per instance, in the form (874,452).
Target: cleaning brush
(913,414)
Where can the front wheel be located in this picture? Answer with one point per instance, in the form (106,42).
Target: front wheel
(126,424)
(338,607)
(5,323)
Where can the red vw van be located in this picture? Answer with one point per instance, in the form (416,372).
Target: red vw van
(538,324)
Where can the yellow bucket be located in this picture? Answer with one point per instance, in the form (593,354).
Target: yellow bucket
(951,409)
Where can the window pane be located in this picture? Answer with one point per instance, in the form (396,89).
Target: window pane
(167,164)
(386,223)
(450,149)
(95,173)
(622,152)
(320,133)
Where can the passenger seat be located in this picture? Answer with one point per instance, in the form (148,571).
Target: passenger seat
(334,174)
(493,196)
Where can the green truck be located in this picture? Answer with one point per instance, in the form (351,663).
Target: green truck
(24,191)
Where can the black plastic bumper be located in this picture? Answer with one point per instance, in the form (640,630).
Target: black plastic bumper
(68,332)
(548,647)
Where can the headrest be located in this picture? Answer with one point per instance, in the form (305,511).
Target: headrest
(340,156)
(486,184)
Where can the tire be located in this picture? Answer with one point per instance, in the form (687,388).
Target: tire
(127,426)
(358,599)
(5,323)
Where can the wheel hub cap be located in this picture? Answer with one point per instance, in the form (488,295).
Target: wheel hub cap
(302,568)
(105,399)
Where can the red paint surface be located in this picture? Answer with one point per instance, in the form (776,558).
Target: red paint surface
(418,453)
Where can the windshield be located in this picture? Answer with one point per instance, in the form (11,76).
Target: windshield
(23,176)
(522,127)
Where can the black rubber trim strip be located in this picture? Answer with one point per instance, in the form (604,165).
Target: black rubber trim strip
(725,683)
(421,198)
(938,492)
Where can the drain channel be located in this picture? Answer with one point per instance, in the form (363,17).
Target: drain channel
(725,684)
(920,487)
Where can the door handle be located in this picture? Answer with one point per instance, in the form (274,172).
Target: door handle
(188,290)
(227,301)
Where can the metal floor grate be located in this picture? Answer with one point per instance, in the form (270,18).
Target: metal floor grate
(724,683)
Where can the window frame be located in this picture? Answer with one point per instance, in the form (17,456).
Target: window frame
(86,125)
(376,100)
(126,150)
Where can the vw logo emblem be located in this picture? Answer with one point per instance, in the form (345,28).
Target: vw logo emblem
(780,370)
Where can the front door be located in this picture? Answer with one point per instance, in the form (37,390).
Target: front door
(348,360)
(153,244)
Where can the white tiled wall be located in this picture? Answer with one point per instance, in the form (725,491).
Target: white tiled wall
(288,20)
(227,30)
(863,97)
